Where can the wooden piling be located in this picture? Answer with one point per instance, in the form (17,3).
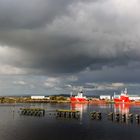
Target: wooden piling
(93,115)
(123,117)
(117,117)
(67,113)
(110,116)
(32,111)
(130,117)
(137,116)
(96,115)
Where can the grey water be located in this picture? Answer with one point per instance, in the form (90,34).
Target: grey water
(14,126)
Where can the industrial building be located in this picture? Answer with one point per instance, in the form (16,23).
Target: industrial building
(105,97)
(37,97)
(134,97)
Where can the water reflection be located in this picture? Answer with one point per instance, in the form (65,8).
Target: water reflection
(29,127)
(121,108)
(79,107)
(123,112)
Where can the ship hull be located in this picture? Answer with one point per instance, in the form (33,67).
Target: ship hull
(122,100)
(79,100)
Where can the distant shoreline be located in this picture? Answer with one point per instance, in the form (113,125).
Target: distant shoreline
(52,99)
(59,99)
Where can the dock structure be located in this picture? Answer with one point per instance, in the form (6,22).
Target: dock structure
(68,113)
(32,111)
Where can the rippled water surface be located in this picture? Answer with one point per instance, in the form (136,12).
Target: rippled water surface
(14,126)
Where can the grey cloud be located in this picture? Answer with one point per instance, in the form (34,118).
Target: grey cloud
(62,36)
(18,14)
(29,15)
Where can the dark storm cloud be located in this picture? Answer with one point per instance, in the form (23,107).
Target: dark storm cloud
(69,36)
(33,14)
(24,14)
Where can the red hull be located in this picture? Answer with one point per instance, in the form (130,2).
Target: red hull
(73,99)
(116,100)
(122,99)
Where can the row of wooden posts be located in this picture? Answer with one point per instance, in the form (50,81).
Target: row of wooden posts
(76,114)
(41,112)
(68,113)
(96,115)
(32,111)
(116,116)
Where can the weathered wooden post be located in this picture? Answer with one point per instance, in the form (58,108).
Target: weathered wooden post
(137,116)
(98,115)
(123,117)
(117,117)
(110,116)
(93,115)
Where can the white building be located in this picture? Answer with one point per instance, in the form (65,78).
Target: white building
(37,97)
(134,97)
(105,97)
(48,98)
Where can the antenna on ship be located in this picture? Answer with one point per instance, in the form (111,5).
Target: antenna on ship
(114,94)
(80,89)
(70,94)
(125,91)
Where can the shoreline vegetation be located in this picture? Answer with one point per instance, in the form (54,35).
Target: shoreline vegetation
(58,99)
(51,99)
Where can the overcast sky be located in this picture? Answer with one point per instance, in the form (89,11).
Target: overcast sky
(70,43)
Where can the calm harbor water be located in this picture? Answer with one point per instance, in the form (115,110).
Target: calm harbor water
(15,126)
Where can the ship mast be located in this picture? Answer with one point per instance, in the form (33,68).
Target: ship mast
(125,91)
(70,94)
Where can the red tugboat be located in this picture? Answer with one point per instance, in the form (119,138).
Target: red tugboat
(79,98)
(123,98)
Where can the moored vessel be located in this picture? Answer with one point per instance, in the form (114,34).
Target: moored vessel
(79,98)
(122,98)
